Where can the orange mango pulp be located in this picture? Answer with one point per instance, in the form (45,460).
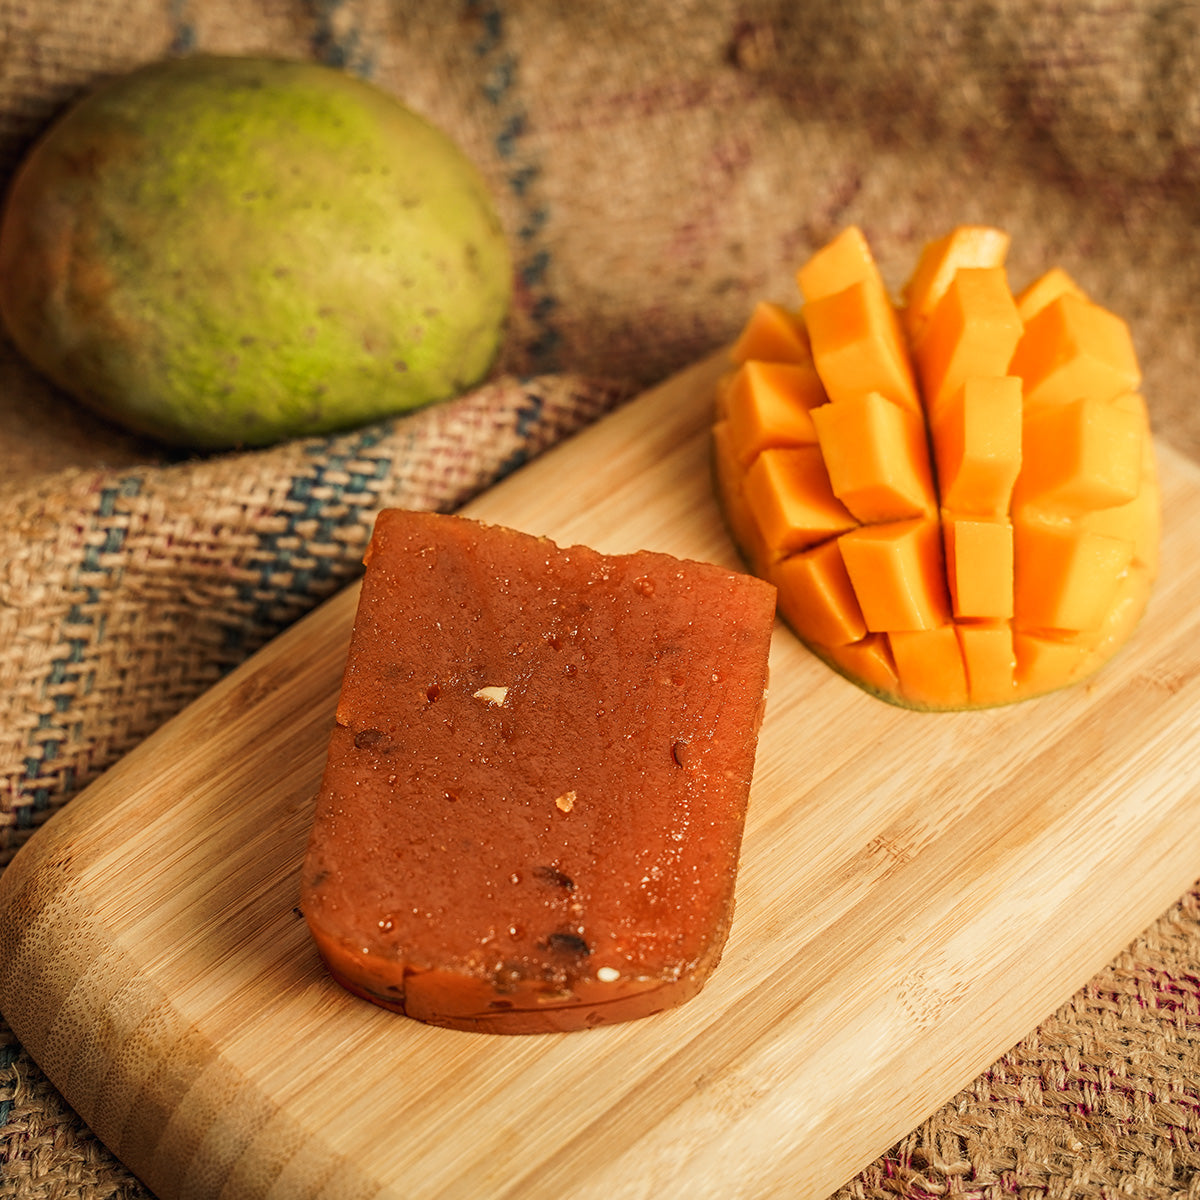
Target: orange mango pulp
(956,496)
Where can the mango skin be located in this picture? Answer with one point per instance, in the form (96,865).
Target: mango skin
(224,252)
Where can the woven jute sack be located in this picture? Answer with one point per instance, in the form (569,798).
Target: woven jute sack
(657,168)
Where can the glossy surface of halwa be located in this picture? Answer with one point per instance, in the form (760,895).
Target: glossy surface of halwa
(533,805)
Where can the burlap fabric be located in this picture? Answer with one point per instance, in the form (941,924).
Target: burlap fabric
(658,167)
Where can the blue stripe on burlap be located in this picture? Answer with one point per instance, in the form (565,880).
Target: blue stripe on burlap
(305,560)
(8,1057)
(320,503)
(83,627)
(522,172)
(528,416)
(183,32)
(339,42)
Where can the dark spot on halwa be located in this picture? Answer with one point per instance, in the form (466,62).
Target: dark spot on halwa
(569,944)
(372,739)
(554,877)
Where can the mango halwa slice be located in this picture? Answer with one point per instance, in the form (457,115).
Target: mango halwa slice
(956,495)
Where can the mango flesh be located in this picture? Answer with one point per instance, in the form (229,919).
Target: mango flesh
(225,252)
(956,497)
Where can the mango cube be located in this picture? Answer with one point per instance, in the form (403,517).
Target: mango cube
(768,405)
(846,260)
(898,574)
(972,332)
(989,659)
(1065,576)
(877,457)
(977,445)
(1045,660)
(730,476)
(857,346)
(868,661)
(817,598)
(1073,348)
(979,566)
(787,490)
(1054,283)
(1080,455)
(929,665)
(773,334)
(966,246)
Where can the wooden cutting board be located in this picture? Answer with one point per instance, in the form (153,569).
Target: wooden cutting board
(917,892)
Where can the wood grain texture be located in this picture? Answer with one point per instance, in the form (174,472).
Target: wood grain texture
(917,892)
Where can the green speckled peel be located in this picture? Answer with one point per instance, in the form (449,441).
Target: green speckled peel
(228,251)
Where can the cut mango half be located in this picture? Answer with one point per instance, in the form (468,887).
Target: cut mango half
(956,494)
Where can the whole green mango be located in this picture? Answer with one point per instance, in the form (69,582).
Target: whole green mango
(226,252)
